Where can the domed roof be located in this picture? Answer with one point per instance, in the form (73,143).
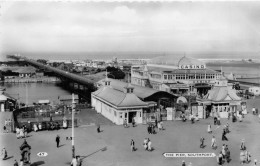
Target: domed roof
(189,61)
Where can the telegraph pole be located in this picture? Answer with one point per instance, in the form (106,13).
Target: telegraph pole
(72,112)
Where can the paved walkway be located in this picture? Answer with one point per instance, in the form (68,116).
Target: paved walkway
(112,146)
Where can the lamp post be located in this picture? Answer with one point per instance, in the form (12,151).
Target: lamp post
(72,112)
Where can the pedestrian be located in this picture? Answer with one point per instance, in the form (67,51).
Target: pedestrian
(98,128)
(243,145)
(15,163)
(183,163)
(17,132)
(209,129)
(64,123)
(192,118)
(215,120)
(248,157)
(25,132)
(229,114)
(35,128)
(40,126)
(58,141)
(223,151)
(79,161)
(213,142)
(220,159)
(132,145)
(227,128)
(218,120)
(149,145)
(255,162)
(74,162)
(4,153)
(145,144)
(253,110)
(242,157)
(202,142)
(156,123)
(228,155)
(21,162)
(224,138)
(125,123)
(5,129)
(6,122)
(133,121)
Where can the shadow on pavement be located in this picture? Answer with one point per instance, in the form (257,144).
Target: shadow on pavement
(61,145)
(102,149)
(8,157)
(37,163)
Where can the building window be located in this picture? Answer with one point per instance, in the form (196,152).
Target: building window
(169,77)
(165,77)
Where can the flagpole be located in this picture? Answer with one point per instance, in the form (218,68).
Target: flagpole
(72,112)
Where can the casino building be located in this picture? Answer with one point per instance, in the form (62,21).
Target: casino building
(188,75)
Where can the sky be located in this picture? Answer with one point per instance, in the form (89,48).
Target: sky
(124,26)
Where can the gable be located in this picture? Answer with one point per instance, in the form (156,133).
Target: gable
(228,98)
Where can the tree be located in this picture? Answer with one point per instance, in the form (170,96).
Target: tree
(116,74)
(43,61)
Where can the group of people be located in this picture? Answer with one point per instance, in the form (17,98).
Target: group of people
(21,132)
(7,124)
(224,154)
(76,161)
(245,156)
(147,144)
(191,117)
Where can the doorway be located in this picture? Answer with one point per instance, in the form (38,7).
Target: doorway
(130,116)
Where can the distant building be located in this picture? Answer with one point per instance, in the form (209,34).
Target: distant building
(221,100)
(188,75)
(130,100)
(255,90)
(7,103)
(67,99)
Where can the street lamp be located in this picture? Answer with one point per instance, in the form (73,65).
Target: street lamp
(72,112)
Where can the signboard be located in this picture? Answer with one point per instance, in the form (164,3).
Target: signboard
(192,66)
(179,86)
(189,155)
(200,112)
(42,154)
(169,113)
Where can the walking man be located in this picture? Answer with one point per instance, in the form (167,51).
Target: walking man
(224,138)
(58,141)
(133,121)
(202,142)
(4,153)
(183,163)
(15,163)
(213,142)
(243,145)
(132,145)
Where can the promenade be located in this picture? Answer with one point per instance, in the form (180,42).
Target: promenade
(111,147)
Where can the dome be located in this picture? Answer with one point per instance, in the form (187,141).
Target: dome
(189,61)
(182,99)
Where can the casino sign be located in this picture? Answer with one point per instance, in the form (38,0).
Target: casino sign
(192,66)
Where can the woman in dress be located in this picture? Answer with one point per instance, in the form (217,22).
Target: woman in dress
(145,143)
(149,145)
(242,157)
(209,129)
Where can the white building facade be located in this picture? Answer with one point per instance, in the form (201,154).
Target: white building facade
(190,75)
